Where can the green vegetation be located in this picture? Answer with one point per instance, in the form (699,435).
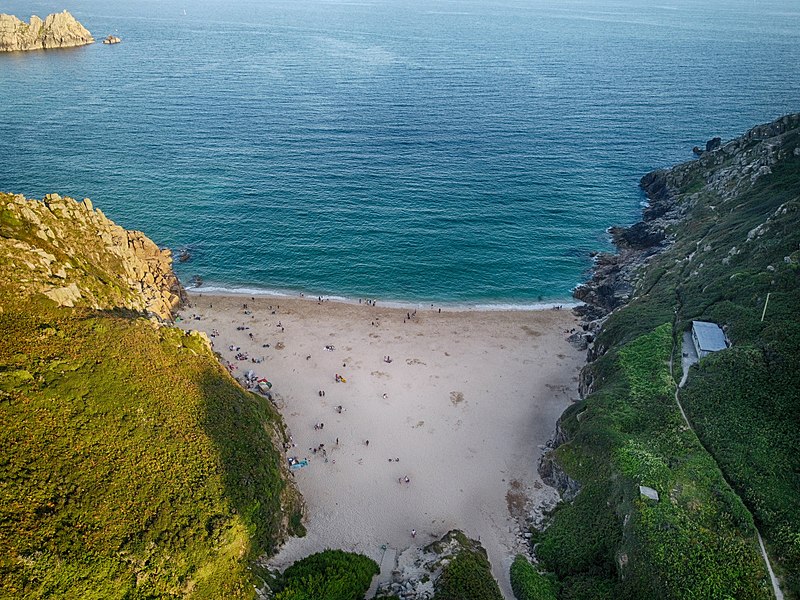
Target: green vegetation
(528,583)
(698,540)
(468,575)
(133,466)
(328,575)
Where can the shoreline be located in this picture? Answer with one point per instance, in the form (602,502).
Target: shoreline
(463,408)
(451,306)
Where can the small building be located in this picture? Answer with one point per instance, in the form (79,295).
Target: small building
(707,338)
(648,492)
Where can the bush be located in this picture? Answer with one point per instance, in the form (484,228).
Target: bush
(328,575)
(528,583)
(468,577)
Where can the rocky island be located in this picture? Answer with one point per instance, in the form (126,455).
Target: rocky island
(58,30)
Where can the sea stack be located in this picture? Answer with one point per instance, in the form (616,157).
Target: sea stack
(59,30)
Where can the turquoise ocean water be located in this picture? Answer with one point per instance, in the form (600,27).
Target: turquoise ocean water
(471,152)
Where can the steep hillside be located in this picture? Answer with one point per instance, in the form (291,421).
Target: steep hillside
(719,234)
(132,465)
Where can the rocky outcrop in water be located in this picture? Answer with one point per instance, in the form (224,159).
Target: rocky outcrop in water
(73,254)
(59,30)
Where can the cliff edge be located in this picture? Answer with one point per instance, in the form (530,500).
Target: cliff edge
(133,464)
(675,484)
(73,254)
(59,30)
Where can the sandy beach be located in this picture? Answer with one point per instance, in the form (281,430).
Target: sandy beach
(456,402)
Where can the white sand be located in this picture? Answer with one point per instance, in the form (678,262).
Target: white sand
(464,405)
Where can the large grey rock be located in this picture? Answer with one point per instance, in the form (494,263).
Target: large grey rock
(713,144)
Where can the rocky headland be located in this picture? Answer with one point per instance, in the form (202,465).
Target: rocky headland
(58,30)
(73,254)
(133,463)
(725,170)
(719,240)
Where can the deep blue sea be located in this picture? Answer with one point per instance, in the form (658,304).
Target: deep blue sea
(461,151)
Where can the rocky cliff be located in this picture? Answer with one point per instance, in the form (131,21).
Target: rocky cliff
(59,30)
(725,172)
(73,254)
(718,241)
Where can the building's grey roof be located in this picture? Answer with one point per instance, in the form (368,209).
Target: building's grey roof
(709,336)
(648,492)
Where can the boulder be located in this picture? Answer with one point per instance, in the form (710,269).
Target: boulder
(713,144)
(648,492)
(64,296)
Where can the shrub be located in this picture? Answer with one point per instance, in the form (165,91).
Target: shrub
(528,583)
(468,576)
(328,575)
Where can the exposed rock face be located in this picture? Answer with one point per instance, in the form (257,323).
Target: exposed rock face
(722,172)
(418,569)
(724,169)
(74,255)
(59,30)
(552,473)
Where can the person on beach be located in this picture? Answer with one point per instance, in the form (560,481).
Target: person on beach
(413,533)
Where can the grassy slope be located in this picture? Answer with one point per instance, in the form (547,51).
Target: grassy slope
(132,465)
(698,541)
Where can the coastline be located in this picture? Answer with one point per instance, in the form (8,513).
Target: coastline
(452,306)
(466,404)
